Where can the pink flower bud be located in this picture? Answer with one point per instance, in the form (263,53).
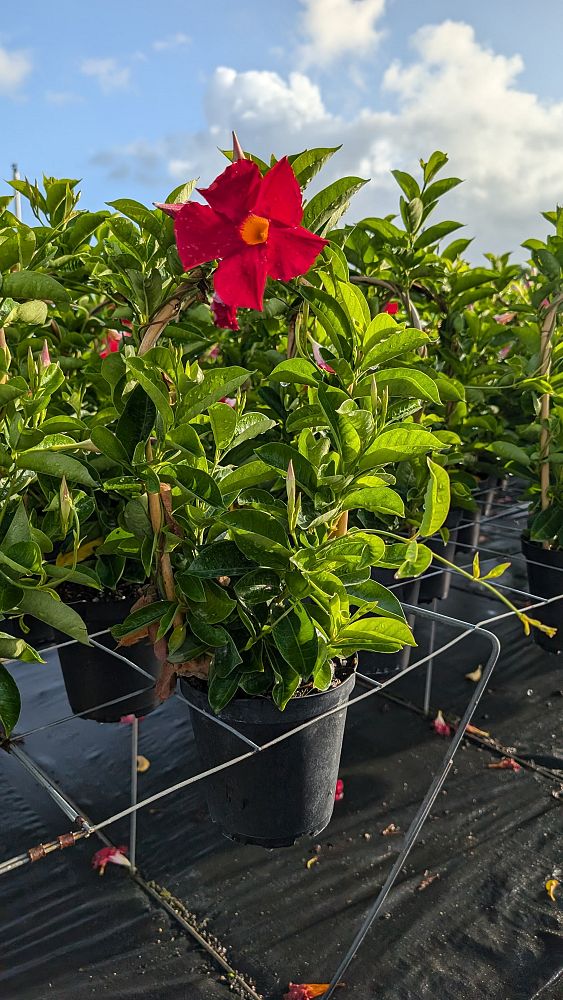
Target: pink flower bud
(45,356)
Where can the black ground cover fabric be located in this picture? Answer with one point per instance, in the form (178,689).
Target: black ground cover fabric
(482,929)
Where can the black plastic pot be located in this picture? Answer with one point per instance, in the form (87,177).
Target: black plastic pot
(282,793)
(434,585)
(546,580)
(92,677)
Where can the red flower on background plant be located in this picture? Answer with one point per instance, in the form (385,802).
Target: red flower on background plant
(252,224)
(110,856)
(391,307)
(321,363)
(112,340)
(229,401)
(224,316)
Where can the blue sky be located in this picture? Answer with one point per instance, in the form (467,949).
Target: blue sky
(135,97)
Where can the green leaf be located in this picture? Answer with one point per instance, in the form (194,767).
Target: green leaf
(217,605)
(408,383)
(42,605)
(372,592)
(11,390)
(199,483)
(258,587)
(414,213)
(55,464)
(400,443)
(325,208)
(251,474)
(82,227)
(34,313)
(19,529)
(141,618)
(34,285)
(221,690)
(223,423)
(436,161)
(374,635)
(435,233)
(308,163)
(250,425)
(258,522)
(226,658)
(510,452)
(138,213)
(279,455)
(217,382)
(407,184)
(396,344)
(109,445)
(286,682)
(12,648)
(137,420)
(331,316)
(82,575)
(221,558)
(10,702)
(154,386)
(439,188)
(296,640)
(377,499)
(436,500)
(296,371)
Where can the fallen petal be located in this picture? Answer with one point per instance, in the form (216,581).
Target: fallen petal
(143,764)
(390,830)
(440,725)
(312,861)
(506,764)
(110,856)
(305,991)
(339,792)
(475,675)
(550,887)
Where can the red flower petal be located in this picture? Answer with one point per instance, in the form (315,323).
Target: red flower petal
(339,793)
(202,235)
(224,316)
(234,192)
(171,208)
(292,251)
(392,308)
(239,280)
(280,196)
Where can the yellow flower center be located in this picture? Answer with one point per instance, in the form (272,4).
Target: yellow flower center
(254,229)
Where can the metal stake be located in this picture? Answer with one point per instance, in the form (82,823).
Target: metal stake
(134,791)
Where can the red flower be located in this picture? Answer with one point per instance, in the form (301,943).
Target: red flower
(321,363)
(229,401)
(224,316)
(110,856)
(111,341)
(339,793)
(391,307)
(253,225)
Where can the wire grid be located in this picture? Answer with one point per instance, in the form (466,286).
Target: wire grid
(496,510)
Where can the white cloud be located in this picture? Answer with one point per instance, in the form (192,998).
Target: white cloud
(452,94)
(264,99)
(336,28)
(171,42)
(62,97)
(109,73)
(14,68)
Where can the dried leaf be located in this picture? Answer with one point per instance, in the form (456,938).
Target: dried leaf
(428,878)
(506,764)
(306,991)
(475,675)
(83,552)
(143,764)
(476,732)
(550,887)
(390,830)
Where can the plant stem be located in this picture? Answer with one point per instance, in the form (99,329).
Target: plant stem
(186,294)
(546,344)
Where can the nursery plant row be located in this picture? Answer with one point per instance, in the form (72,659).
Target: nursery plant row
(230,422)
